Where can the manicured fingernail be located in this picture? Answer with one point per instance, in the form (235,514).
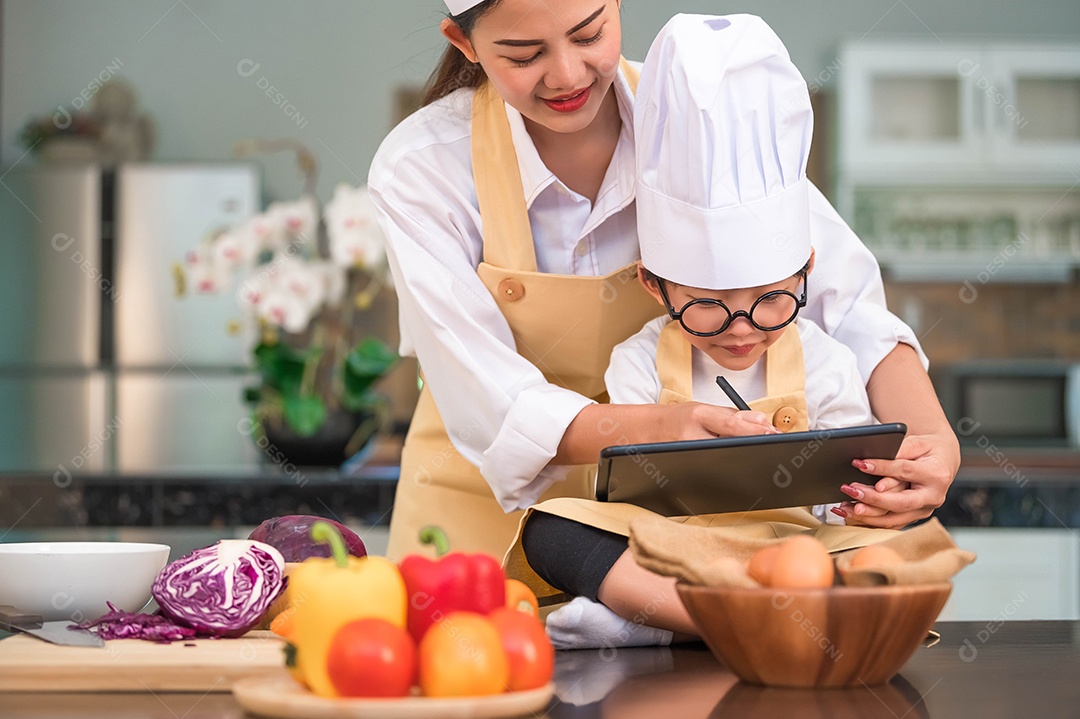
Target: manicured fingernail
(863,465)
(851,491)
(839,512)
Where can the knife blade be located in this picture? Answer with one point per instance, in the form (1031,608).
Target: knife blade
(13,620)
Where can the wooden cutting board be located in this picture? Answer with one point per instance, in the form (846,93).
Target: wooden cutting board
(28,664)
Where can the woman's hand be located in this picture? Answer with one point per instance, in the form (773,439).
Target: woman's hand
(912,486)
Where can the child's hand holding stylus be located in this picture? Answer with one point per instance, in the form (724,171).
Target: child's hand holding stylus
(742,406)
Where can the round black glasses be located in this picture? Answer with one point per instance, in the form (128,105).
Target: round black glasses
(707,317)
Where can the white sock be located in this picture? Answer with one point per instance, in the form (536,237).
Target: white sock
(585,624)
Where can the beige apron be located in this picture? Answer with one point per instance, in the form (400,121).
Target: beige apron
(565,325)
(784,403)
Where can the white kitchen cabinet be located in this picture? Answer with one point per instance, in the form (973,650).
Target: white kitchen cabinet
(1034,110)
(952,111)
(1020,573)
(908,106)
(960,160)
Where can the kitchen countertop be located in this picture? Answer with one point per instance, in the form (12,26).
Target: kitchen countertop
(978,669)
(990,463)
(1007,487)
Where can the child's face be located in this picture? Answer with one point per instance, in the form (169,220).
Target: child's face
(741,344)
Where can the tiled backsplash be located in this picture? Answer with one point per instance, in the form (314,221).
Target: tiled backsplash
(961,321)
(35,502)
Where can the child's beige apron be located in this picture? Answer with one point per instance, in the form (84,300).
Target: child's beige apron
(784,404)
(565,325)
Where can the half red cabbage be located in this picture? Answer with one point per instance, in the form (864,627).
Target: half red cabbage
(291,535)
(223,589)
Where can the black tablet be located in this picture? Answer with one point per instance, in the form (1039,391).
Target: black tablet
(736,474)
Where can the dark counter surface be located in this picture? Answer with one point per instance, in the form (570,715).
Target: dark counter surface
(978,669)
(1002,487)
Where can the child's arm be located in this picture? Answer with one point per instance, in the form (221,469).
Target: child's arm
(634,415)
(603,425)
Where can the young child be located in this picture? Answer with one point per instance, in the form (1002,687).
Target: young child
(722,128)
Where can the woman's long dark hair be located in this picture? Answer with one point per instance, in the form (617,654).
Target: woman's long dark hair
(454,70)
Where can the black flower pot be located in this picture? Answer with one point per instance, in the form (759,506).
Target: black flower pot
(329,447)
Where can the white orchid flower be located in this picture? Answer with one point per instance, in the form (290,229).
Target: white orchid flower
(354,234)
(284,309)
(205,273)
(235,248)
(252,291)
(267,230)
(335,283)
(299,220)
(303,280)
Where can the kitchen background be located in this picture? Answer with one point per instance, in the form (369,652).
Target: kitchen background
(948,135)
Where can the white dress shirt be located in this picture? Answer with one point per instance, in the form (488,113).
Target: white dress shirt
(500,412)
(835,395)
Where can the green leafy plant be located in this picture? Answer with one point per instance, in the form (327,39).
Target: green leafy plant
(308,273)
(288,390)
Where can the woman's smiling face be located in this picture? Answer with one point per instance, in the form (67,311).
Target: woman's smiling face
(552,61)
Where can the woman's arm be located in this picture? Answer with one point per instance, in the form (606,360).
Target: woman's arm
(502,415)
(900,391)
(849,304)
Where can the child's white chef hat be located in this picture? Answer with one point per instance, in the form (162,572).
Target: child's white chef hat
(722,125)
(457,7)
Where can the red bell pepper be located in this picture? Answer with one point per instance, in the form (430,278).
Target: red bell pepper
(454,582)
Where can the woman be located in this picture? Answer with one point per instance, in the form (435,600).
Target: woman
(507,203)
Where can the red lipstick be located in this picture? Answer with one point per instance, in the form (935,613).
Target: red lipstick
(569,103)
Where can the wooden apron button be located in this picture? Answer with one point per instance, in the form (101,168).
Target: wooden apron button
(511,290)
(785,418)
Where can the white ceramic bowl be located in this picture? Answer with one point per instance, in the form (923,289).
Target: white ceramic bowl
(73,580)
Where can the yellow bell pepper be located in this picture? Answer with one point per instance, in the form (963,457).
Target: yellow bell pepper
(327,594)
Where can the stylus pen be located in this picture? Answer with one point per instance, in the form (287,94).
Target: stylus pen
(732,394)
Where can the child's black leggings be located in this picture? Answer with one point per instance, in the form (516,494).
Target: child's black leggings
(568,555)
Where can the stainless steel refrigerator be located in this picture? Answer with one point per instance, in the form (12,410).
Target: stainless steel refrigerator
(102,367)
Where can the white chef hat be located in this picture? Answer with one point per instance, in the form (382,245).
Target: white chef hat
(457,7)
(722,126)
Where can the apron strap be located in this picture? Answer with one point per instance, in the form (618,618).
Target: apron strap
(674,365)
(785,371)
(785,368)
(508,240)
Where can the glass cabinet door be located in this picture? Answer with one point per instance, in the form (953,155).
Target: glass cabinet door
(1034,107)
(910,106)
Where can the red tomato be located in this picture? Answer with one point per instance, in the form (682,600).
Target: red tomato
(529,651)
(371,658)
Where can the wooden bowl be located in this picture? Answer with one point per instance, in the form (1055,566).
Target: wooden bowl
(835,637)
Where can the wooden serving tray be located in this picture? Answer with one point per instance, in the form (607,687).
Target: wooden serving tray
(28,664)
